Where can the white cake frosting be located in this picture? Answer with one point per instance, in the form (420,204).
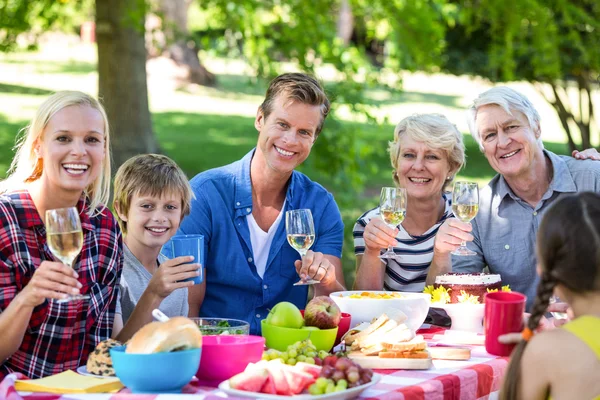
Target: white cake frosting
(467,279)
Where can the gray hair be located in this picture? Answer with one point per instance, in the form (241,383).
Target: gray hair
(510,100)
(437,132)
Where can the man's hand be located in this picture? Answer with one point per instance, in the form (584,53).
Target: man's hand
(378,235)
(591,154)
(171,274)
(451,234)
(52,280)
(315,265)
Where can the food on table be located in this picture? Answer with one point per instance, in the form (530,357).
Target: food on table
(463,288)
(176,334)
(302,351)
(274,377)
(218,326)
(322,312)
(344,373)
(371,295)
(387,337)
(99,361)
(286,315)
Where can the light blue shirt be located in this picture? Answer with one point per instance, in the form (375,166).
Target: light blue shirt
(233,287)
(505,228)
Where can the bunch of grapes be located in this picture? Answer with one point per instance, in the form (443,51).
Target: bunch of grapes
(303,351)
(324,385)
(344,369)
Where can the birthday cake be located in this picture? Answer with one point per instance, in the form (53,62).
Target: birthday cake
(465,288)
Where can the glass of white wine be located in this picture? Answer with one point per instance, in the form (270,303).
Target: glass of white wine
(556,314)
(392,207)
(300,230)
(465,204)
(65,238)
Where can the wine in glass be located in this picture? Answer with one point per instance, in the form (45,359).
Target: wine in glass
(557,314)
(300,231)
(465,204)
(65,238)
(392,207)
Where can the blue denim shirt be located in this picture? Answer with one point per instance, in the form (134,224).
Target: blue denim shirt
(505,228)
(233,287)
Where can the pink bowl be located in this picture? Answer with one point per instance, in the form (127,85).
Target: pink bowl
(224,356)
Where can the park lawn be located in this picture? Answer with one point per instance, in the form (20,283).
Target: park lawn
(204,128)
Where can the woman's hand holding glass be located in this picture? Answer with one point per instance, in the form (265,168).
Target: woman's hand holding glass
(378,235)
(392,208)
(65,239)
(51,280)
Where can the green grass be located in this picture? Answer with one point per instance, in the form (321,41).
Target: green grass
(199,138)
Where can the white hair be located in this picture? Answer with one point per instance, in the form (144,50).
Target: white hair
(510,100)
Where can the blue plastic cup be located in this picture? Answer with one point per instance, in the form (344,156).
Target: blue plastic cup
(189,245)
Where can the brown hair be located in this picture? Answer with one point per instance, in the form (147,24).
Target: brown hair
(568,246)
(149,174)
(297,87)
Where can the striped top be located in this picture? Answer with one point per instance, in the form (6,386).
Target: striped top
(408,270)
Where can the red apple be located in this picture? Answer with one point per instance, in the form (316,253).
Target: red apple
(322,312)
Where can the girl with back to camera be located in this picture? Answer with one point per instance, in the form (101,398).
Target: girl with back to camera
(61,161)
(563,363)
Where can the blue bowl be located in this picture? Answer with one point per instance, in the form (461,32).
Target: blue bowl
(156,372)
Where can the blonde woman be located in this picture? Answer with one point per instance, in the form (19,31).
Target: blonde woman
(61,161)
(426,154)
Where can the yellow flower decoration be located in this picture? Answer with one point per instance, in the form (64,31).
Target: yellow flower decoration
(429,289)
(467,298)
(506,288)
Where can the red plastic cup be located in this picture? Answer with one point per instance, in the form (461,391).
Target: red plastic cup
(503,314)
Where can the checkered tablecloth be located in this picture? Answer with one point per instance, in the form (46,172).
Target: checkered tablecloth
(476,378)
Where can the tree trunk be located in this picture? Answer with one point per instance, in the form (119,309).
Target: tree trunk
(345,22)
(122,82)
(182,49)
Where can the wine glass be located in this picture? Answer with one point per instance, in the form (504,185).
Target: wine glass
(300,231)
(392,207)
(556,314)
(465,204)
(65,239)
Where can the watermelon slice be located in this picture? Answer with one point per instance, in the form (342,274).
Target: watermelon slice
(250,381)
(269,386)
(281,384)
(297,380)
(312,369)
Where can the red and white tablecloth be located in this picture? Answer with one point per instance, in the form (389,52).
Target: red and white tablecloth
(476,378)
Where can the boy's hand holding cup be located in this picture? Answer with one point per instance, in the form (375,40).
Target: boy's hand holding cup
(185,246)
(174,274)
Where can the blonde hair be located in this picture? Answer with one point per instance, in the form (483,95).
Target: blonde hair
(27,167)
(436,132)
(149,174)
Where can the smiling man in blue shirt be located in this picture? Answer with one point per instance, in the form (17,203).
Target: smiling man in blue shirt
(240,209)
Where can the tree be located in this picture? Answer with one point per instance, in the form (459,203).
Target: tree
(551,43)
(182,49)
(122,81)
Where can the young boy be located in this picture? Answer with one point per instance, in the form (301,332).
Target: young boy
(152,195)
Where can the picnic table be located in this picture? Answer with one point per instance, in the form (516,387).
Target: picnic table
(478,378)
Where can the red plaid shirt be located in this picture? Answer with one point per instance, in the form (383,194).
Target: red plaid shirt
(59,336)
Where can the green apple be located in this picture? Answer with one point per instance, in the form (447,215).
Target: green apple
(286,315)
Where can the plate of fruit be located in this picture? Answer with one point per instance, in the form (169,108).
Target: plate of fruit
(272,378)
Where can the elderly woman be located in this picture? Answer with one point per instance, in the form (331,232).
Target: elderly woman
(426,153)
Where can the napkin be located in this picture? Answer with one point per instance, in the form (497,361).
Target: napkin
(69,382)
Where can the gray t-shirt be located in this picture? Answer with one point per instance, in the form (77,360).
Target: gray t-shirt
(135,279)
(505,228)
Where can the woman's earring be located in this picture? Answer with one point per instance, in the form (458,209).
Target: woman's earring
(448,178)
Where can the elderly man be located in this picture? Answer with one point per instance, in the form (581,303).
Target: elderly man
(507,128)
(240,209)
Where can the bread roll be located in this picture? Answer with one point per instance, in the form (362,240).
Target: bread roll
(178,333)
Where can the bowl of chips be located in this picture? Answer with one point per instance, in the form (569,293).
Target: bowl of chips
(363,306)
